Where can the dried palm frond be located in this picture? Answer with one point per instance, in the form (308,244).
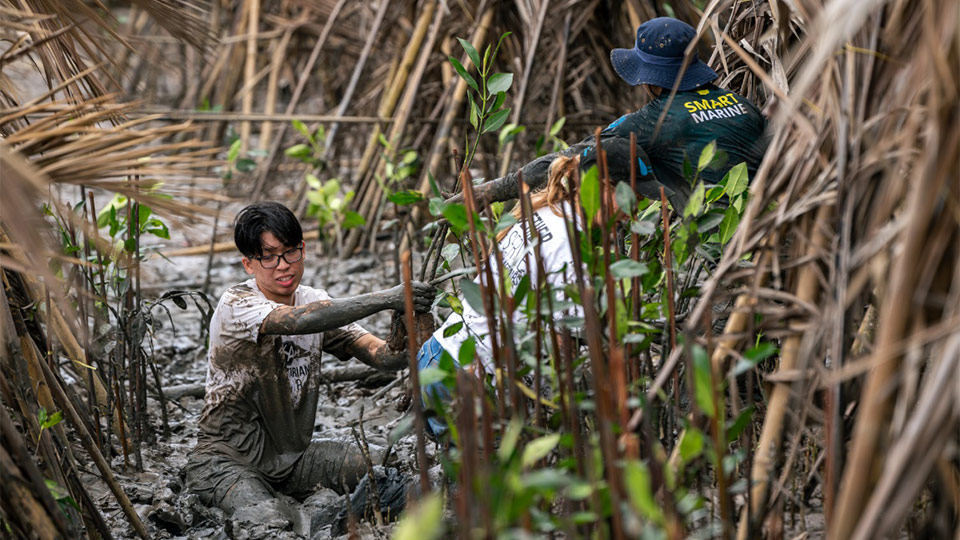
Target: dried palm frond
(186,20)
(864,157)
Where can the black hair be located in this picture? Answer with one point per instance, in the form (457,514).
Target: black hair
(259,218)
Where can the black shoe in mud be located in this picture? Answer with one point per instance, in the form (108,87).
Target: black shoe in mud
(392,488)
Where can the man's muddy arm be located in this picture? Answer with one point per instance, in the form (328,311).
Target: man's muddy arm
(375,353)
(505,188)
(324,315)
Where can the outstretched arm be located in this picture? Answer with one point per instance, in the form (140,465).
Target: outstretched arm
(506,187)
(375,353)
(326,315)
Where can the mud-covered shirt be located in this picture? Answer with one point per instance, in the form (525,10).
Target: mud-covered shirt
(262,390)
(519,261)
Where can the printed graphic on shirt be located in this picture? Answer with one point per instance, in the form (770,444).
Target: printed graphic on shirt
(297,361)
(723,106)
(512,248)
(613,125)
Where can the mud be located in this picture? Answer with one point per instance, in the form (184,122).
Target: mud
(179,351)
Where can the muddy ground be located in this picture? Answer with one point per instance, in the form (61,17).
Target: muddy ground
(179,351)
(158,493)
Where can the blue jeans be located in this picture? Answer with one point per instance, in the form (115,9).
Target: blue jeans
(429,356)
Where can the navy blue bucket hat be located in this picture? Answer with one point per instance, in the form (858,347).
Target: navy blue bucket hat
(658,55)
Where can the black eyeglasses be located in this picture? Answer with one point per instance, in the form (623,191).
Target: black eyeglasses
(272,261)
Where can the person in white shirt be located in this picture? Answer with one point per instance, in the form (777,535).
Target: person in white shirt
(552,215)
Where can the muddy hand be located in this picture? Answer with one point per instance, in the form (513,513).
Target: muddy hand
(423,295)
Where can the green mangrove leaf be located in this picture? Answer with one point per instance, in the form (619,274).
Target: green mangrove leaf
(703,381)
(471,51)
(405,197)
(499,82)
(707,155)
(590,194)
(538,449)
(626,198)
(462,72)
(731,218)
(640,492)
(628,268)
(496,120)
(737,179)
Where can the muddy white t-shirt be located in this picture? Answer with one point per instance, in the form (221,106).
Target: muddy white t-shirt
(262,390)
(516,254)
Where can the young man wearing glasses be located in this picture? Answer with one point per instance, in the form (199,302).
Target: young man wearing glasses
(263,376)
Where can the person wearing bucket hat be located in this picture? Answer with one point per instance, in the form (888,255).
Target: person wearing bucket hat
(658,55)
(698,113)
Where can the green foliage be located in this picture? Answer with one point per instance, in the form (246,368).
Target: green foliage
(46,421)
(116,218)
(327,201)
(537,469)
(423,522)
(590,195)
(550,142)
(486,100)
(61,495)
(310,152)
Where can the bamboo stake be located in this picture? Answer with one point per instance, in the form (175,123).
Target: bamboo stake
(389,102)
(64,333)
(524,81)
(368,206)
(11,440)
(264,168)
(555,99)
(357,71)
(276,62)
(772,431)
(249,69)
(442,137)
(91,447)
(225,87)
(873,415)
(46,522)
(368,202)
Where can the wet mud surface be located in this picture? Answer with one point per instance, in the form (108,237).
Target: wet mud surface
(158,492)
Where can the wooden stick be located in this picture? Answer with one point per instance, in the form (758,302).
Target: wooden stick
(372,198)
(91,447)
(416,391)
(771,434)
(249,69)
(264,168)
(357,71)
(524,81)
